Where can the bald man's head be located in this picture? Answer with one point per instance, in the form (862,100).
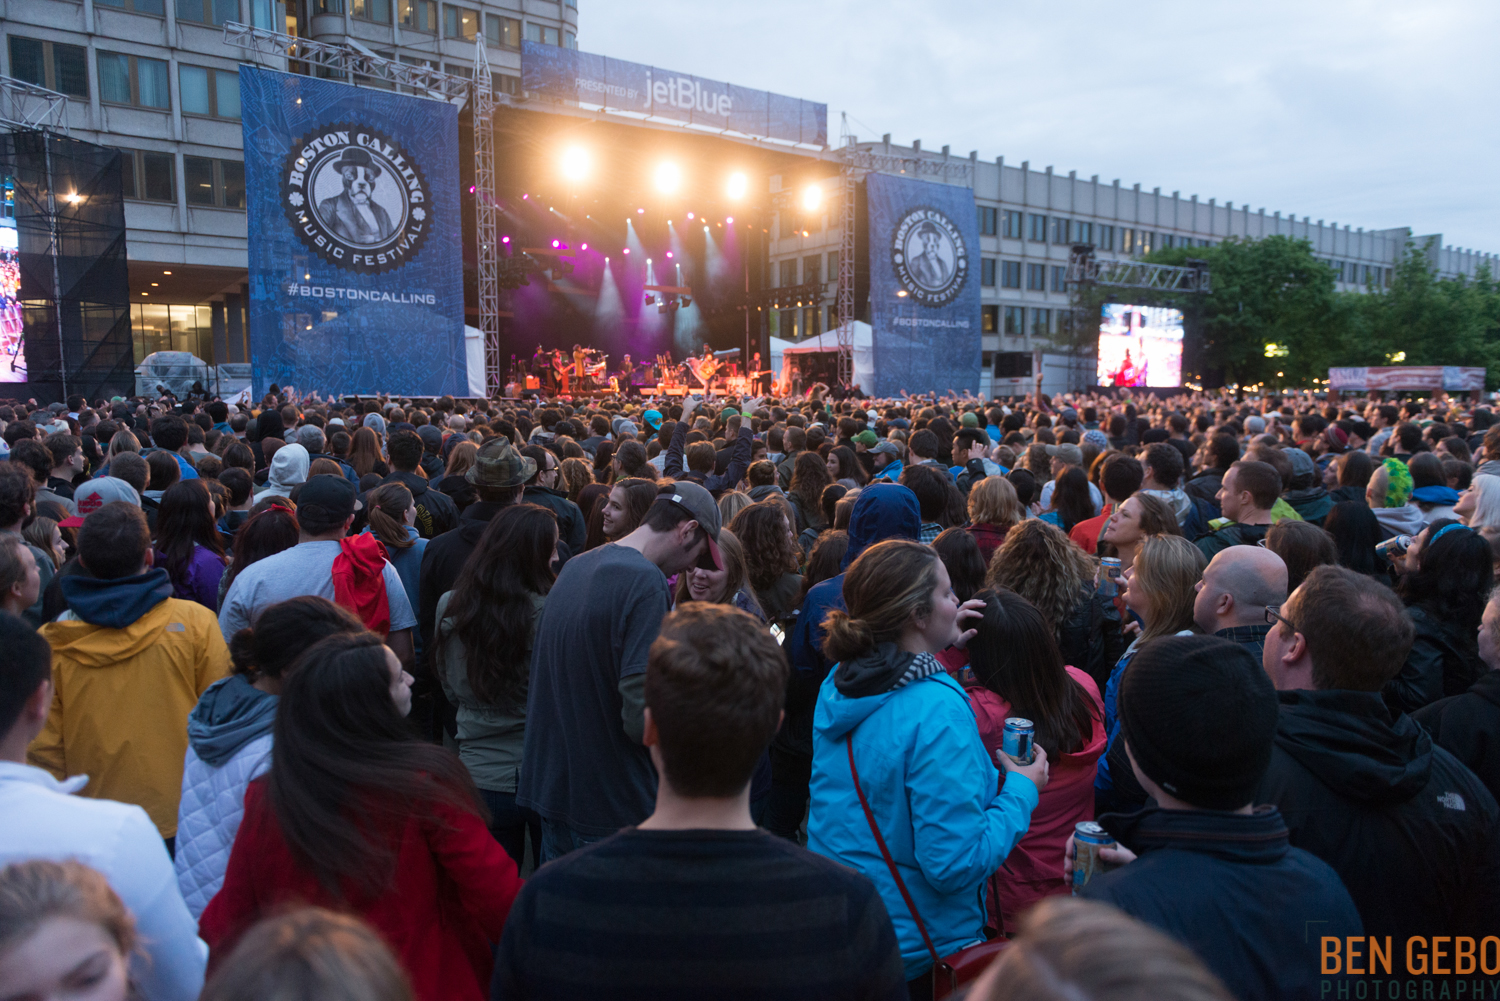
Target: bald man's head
(1237,585)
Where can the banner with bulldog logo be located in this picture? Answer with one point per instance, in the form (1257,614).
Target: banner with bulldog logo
(924,286)
(356,263)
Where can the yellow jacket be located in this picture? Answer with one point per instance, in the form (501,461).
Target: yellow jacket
(120,703)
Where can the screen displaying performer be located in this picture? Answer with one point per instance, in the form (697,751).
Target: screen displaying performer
(1140,346)
(12,345)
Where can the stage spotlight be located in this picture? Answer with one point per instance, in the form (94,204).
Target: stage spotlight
(575,163)
(505,239)
(668,177)
(640,211)
(585,246)
(690,215)
(812,198)
(648,260)
(669,255)
(524,197)
(625,251)
(730,220)
(737,186)
(556,244)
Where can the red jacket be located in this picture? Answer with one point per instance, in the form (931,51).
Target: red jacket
(1086,533)
(1034,869)
(441,916)
(989,538)
(359,581)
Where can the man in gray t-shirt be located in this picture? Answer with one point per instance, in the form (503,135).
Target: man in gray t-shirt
(325,510)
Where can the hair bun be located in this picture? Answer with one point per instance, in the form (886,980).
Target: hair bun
(846,638)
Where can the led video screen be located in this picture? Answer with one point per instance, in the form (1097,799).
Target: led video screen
(12,350)
(1140,346)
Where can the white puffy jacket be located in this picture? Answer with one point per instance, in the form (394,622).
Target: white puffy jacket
(213,804)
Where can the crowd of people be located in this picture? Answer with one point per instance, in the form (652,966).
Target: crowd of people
(451,700)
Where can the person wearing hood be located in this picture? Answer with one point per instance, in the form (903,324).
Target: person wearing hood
(229,737)
(129,663)
(1304,490)
(289,467)
(1205,863)
(1388,494)
(436,512)
(1466,725)
(1446,575)
(499,475)
(1161,468)
(1430,490)
(45,819)
(1249,491)
(882,511)
(1410,830)
(898,761)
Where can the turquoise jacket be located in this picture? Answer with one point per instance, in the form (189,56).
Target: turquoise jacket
(937,799)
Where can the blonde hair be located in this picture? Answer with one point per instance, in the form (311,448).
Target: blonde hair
(1167,569)
(309,953)
(461,458)
(731,504)
(1066,949)
(885,588)
(36,891)
(123,441)
(576,474)
(1042,565)
(993,501)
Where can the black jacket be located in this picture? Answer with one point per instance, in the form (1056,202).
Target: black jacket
(571,528)
(1312,503)
(1444,661)
(715,483)
(1231,888)
(1409,829)
(442,560)
(1468,727)
(1205,487)
(436,512)
(1090,639)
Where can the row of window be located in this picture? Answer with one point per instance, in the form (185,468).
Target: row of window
(1038,228)
(1359,274)
(1007,274)
(460,23)
(812,269)
(1011,320)
(152,177)
(137,81)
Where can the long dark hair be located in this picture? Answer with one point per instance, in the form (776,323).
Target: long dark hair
(809,477)
(272,531)
(1356,532)
(770,551)
(1071,498)
(960,554)
(347,770)
(491,605)
(1453,575)
(283,631)
(849,467)
(186,520)
(640,494)
(1015,655)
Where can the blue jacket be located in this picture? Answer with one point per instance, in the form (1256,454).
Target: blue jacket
(891,472)
(932,788)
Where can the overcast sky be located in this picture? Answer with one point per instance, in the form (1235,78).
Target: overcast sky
(1375,114)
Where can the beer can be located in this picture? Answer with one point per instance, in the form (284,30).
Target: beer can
(1395,546)
(1088,838)
(1017,738)
(1111,566)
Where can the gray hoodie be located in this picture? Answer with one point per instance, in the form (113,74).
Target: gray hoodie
(229,715)
(1405,520)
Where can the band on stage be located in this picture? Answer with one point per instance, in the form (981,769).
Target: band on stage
(586,371)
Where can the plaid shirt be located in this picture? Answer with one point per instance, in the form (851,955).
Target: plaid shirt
(1252,637)
(930,530)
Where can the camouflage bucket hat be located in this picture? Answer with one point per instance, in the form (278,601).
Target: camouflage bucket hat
(498,464)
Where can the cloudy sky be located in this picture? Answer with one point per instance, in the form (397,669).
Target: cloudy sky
(1374,114)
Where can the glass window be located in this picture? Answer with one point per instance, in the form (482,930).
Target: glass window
(502,32)
(151,82)
(1127,241)
(812,321)
(541,33)
(28,60)
(156,8)
(233,172)
(1013,225)
(989,319)
(1036,277)
(127,173)
(460,22)
(833,265)
(1010,274)
(157,177)
(1038,232)
(192,82)
(59,67)
(263,12)
(987,271)
(989,220)
(1013,321)
(570,40)
(1168,240)
(114,77)
(788,273)
(1041,322)
(1106,238)
(811,267)
(133,80)
(507,84)
(418,15)
(1085,233)
(372,10)
(227,93)
(198,179)
(1059,279)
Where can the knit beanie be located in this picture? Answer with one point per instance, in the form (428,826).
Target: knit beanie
(1199,715)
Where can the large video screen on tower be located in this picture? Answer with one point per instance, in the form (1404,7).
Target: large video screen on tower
(12,349)
(1140,345)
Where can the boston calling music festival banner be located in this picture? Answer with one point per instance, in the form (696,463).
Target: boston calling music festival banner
(356,266)
(924,286)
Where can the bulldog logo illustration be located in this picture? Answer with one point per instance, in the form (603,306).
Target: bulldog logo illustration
(929,256)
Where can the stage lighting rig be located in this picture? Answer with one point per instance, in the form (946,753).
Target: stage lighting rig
(575,163)
(668,177)
(737,186)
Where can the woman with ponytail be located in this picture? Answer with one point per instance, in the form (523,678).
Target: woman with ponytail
(889,711)
(392,514)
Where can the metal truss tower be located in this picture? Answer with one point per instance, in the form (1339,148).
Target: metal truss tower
(485,218)
(857,163)
(26,106)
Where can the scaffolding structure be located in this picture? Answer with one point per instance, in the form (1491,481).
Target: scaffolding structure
(345,60)
(25,106)
(857,162)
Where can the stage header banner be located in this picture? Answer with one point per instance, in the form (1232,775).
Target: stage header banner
(924,297)
(1453,378)
(356,265)
(602,82)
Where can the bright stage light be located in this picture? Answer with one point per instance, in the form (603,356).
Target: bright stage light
(812,198)
(648,260)
(625,251)
(505,239)
(640,211)
(585,246)
(669,255)
(737,186)
(730,220)
(690,215)
(668,177)
(556,244)
(575,163)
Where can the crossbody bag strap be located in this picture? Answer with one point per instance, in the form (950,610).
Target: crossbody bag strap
(885,853)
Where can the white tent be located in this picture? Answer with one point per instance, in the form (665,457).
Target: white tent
(474,355)
(864,352)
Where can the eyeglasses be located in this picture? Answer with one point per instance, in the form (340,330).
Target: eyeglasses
(1273,616)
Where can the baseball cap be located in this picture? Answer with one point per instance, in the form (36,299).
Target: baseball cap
(1071,454)
(887,447)
(330,494)
(498,464)
(1255,425)
(700,504)
(968,420)
(652,419)
(95,494)
(729,412)
(867,438)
